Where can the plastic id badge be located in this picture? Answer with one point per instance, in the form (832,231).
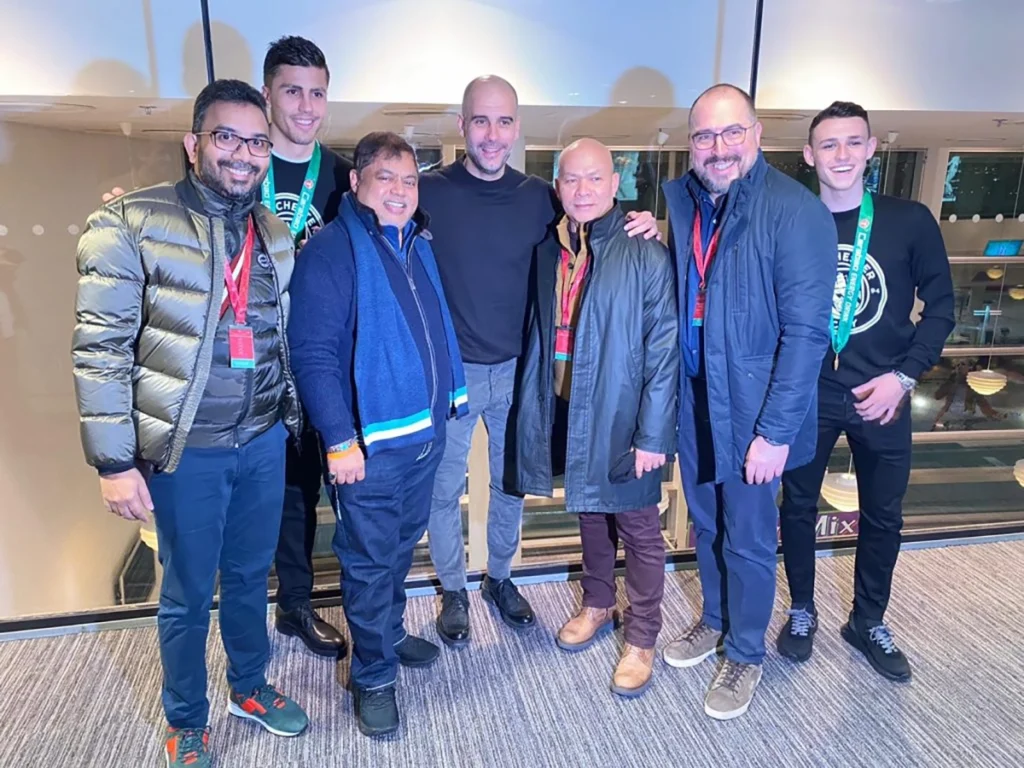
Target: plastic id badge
(563,343)
(241,347)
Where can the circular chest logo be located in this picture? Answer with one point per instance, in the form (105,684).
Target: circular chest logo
(286,203)
(872,296)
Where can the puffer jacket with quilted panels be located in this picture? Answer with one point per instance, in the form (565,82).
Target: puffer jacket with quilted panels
(151,267)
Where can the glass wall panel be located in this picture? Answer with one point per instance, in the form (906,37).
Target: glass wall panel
(986,184)
(895,173)
(989,304)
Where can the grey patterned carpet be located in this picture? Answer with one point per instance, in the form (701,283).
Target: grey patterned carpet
(517,701)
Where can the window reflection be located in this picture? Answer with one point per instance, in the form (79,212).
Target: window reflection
(944,402)
(983,183)
(989,304)
(893,173)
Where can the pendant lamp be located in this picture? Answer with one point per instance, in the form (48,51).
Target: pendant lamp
(986,382)
(1018,472)
(994,273)
(1017,293)
(839,489)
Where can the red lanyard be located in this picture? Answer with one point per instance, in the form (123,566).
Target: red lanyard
(700,257)
(569,297)
(238,295)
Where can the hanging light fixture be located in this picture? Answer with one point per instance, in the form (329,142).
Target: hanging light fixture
(986,382)
(839,489)
(994,273)
(1017,293)
(1018,472)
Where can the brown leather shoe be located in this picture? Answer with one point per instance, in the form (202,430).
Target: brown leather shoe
(584,628)
(633,674)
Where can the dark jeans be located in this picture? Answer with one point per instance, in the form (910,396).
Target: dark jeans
(881,457)
(380,520)
(640,531)
(294,559)
(737,536)
(220,510)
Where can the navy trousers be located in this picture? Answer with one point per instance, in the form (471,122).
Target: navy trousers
(219,511)
(736,525)
(380,520)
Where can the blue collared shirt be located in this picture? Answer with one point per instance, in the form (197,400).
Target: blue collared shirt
(693,339)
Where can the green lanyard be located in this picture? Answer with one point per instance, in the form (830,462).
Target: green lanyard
(305,196)
(842,326)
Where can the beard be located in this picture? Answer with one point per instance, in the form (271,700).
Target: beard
(716,184)
(476,157)
(213,173)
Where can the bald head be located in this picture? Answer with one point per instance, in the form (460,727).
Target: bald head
(725,93)
(725,137)
(490,124)
(488,85)
(586,182)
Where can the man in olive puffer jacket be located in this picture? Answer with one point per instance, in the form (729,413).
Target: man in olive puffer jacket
(184,396)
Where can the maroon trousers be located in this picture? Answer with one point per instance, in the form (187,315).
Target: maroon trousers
(640,532)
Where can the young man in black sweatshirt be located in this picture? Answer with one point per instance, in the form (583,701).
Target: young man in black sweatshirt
(304,187)
(486,220)
(889,251)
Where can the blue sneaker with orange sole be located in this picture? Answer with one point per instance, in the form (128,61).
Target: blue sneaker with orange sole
(271,709)
(188,748)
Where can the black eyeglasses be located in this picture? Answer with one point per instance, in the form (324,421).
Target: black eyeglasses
(230,142)
(731,137)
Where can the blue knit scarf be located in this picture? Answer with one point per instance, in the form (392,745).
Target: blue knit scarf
(392,395)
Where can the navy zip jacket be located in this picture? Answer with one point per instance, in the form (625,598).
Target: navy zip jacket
(323,319)
(768,313)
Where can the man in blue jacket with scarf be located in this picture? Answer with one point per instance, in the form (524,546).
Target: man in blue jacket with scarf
(378,369)
(755,258)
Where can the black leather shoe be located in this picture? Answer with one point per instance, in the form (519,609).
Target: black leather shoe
(319,636)
(416,652)
(512,606)
(377,711)
(453,621)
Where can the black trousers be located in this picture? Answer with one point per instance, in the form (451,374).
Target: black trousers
(881,458)
(294,559)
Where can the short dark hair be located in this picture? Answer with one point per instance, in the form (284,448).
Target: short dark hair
(221,91)
(838,109)
(293,51)
(379,144)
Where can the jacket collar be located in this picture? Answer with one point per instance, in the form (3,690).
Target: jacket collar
(202,199)
(420,220)
(607,225)
(740,189)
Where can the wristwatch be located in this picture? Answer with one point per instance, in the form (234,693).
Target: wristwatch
(773,443)
(905,381)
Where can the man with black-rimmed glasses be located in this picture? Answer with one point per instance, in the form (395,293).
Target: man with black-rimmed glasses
(755,255)
(185,400)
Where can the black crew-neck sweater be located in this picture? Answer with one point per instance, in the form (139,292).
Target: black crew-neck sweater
(906,254)
(484,237)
